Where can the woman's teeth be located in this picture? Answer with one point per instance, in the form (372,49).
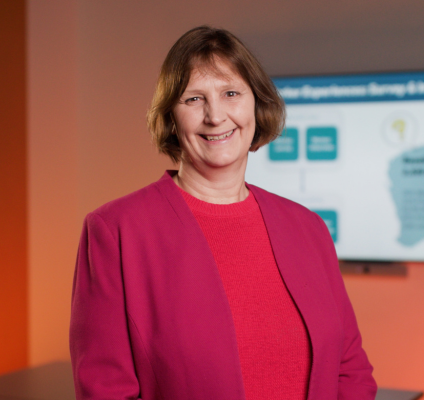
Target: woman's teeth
(219,137)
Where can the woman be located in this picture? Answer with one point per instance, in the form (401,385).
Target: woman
(201,286)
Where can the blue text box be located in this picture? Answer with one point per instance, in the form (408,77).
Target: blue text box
(321,143)
(286,146)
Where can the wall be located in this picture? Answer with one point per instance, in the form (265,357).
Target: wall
(13,178)
(390,313)
(54,225)
(89,143)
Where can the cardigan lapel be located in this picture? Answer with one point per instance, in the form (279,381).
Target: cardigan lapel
(299,261)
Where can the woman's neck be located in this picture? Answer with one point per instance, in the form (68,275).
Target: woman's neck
(213,185)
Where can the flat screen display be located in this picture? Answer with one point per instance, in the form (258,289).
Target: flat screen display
(353,152)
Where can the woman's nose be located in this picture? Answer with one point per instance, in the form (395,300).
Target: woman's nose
(215,112)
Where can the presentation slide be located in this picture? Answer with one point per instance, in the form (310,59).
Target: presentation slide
(353,152)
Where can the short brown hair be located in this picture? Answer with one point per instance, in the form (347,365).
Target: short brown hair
(202,45)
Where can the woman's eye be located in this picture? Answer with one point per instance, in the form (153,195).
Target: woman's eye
(193,100)
(232,93)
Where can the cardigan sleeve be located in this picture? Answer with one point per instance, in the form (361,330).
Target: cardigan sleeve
(355,373)
(101,354)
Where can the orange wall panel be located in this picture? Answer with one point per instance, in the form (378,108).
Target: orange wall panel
(390,313)
(13,216)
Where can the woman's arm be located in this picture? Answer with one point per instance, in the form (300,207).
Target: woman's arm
(355,374)
(101,354)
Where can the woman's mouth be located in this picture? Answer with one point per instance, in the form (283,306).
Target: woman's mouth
(220,137)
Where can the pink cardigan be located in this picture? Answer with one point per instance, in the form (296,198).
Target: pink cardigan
(150,318)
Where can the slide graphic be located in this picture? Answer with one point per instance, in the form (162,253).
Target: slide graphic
(285,147)
(407,177)
(321,143)
(353,152)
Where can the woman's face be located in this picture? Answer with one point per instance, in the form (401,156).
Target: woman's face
(215,118)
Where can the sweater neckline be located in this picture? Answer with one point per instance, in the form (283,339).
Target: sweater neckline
(239,208)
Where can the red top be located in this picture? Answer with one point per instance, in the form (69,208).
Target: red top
(273,343)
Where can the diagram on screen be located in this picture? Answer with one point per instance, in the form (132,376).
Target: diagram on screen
(353,151)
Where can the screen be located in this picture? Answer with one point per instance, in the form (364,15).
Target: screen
(352,151)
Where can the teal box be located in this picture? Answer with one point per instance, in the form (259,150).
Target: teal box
(286,146)
(321,143)
(330,219)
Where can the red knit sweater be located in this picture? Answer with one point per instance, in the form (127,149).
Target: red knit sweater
(272,340)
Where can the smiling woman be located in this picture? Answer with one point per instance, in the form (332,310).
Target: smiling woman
(201,286)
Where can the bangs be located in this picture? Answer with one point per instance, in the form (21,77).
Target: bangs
(208,64)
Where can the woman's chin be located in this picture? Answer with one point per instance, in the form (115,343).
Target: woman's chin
(225,162)
(217,159)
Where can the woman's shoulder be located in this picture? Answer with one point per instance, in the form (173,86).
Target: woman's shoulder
(281,212)
(142,203)
(269,199)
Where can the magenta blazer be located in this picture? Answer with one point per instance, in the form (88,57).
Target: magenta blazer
(150,318)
